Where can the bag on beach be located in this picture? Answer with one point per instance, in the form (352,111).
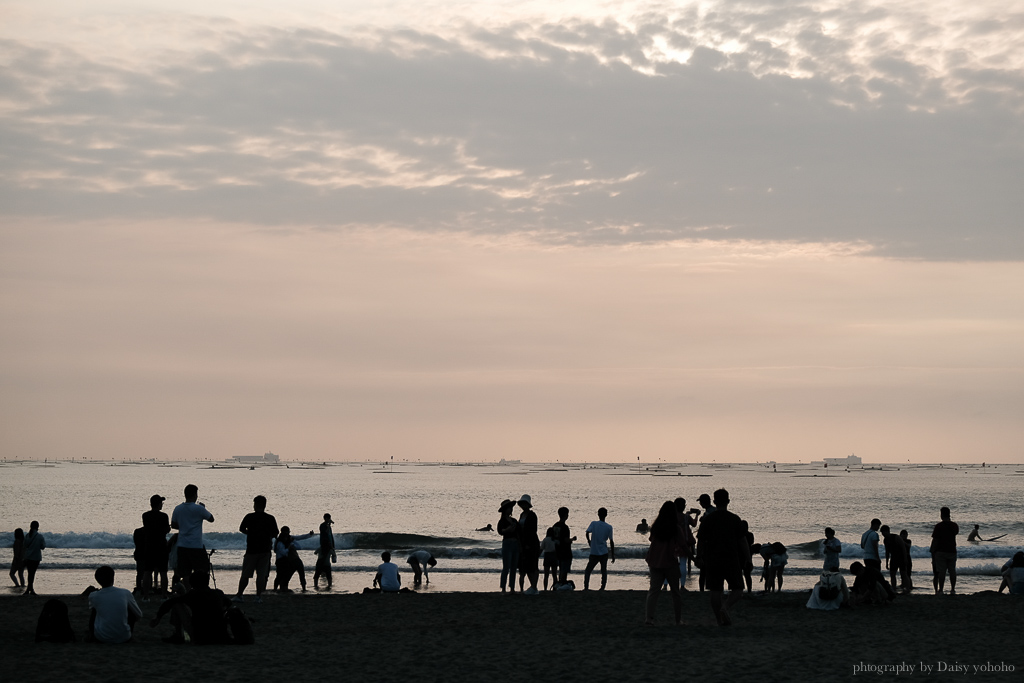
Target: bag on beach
(54,626)
(830,587)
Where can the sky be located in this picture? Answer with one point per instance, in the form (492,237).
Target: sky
(711,231)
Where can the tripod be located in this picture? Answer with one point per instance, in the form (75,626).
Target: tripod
(212,576)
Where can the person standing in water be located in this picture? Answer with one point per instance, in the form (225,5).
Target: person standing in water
(260,529)
(326,554)
(32,553)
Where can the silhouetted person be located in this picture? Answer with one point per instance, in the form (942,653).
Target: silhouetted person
(508,529)
(288,560)
(421,561)
(943,549)
(722,549)
(642,527)
(198,616)
(667,546)
(32,553)
(529,544)
(602,547)
(831,548)
(564,549)
(895,558)
(113,611)
(869,586)
(486,528)
(869,542)
(1013,575)
(704,500)
(260,529)
(188,518)
(156,525)
(387,579)
(326,554)
(18,558)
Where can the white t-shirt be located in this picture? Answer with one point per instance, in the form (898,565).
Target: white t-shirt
(869,541)
(189,519)
(112,605)
(389,577)
(832,558)
(423,557)
(599,532)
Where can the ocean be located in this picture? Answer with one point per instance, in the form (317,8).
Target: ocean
(87,512)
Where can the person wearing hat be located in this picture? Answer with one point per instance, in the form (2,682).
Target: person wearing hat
(326,554)
(156,526)
(508,529)
(529,544)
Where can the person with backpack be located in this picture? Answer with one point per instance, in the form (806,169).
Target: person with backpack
(830,593)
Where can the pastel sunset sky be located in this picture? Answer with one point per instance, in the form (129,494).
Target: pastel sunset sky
(595,231)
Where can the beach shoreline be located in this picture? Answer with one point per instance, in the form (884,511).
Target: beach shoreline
(571,636)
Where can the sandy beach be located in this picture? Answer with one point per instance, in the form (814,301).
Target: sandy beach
(565,636)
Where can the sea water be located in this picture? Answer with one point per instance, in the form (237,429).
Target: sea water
(88,511)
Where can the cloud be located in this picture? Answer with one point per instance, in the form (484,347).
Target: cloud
(773,121)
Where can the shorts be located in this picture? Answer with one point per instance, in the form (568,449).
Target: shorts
(715,578)
(550,560)
(256,563)
(943,562)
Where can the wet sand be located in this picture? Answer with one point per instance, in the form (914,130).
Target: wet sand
(557,636)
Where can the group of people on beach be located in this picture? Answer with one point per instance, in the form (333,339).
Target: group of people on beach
(722,548)
(522,548)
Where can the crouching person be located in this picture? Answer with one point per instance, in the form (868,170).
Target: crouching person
(870,587)
(113,611)
(198,616)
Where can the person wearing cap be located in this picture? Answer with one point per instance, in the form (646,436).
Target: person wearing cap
(260,529)
(156,526)
(529,544)
(508,529)
(326,554)
(188,518)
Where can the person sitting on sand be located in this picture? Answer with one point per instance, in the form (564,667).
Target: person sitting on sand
(830,593)
(1013,575)
(643,527)
(895,558)
(722,549)
(421,561)
(832,548)
(112,611)
(198,616)
(549,551)
(387,579)
(870,587)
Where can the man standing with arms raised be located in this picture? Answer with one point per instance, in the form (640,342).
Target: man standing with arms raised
(602,546)
(260,530)
(188,518)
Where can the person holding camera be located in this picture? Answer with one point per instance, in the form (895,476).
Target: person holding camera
(188,518)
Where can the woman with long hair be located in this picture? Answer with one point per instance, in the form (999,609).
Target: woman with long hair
(668,544)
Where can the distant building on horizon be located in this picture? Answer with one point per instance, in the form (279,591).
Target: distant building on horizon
(267,458)
(843,462)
